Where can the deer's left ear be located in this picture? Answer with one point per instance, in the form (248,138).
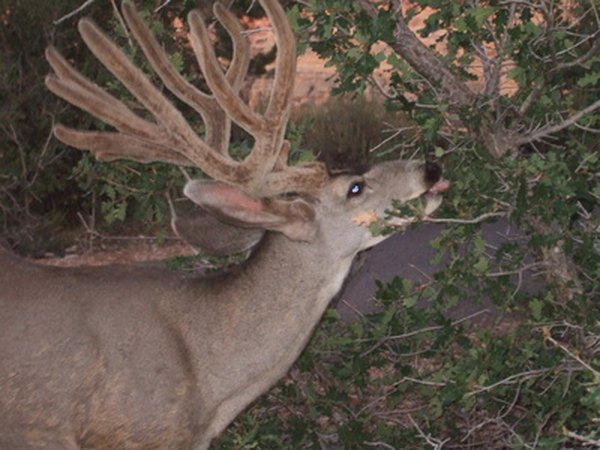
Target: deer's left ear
(204,232)
(294,218)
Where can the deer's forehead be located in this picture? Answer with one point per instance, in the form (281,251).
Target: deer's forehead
(397,170)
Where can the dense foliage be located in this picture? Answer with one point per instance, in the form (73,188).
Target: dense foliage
(48,191)
(506,94)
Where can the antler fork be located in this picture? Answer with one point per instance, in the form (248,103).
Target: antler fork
(169,138)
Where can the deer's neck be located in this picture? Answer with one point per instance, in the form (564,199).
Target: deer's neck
(291,284)
(263,317)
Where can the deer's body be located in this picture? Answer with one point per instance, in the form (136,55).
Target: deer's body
(130,357)
(123,354)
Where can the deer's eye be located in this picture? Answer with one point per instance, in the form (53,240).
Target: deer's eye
(356,189)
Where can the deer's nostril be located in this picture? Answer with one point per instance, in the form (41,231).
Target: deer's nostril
(433,172)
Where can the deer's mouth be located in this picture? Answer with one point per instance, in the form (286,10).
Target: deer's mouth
(433,197)
(405,214)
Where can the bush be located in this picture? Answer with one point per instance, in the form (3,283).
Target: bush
(42,197)
(47,189)
(410,377)
(350,131)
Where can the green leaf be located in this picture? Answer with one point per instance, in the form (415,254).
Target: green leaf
(589,80)
(396,62)
(535,306)
(176,60)
(482,264)
(293,16)
(481,14)
(380,57)
(409,301)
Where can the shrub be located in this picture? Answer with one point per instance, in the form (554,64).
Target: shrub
(410,377)
(350,131)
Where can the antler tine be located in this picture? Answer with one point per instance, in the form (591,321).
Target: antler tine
(75,88)
(78,90)
(285,65)
(240,62)
(141,87)
(271,150)
(110,146)
(223,91)
(217,124)
(265,160)
(172,135)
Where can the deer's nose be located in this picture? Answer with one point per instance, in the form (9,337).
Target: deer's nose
(433,172)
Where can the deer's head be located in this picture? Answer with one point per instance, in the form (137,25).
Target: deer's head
(261,192)
(339,215)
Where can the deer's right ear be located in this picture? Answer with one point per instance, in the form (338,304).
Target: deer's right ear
(294,218)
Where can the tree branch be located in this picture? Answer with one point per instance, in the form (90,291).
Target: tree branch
(593,51)
(407,45)
(479,219)
(427,64)
(552,129)
(369,8)
(74,12)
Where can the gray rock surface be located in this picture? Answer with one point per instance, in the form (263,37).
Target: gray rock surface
(409,256)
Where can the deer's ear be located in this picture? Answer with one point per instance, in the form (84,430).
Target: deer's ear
(207,234)
(294,218)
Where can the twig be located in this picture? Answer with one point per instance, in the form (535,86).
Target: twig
(516,378)
(554,342)
(436,444)
(478,219)
(122,23)
(531,98)
(390,93)
(453,324)
(354,309)
(540,429)
(379,444)
(583,58)
(165,3)
(185,174)
(423,382)
(396,133)
(525,268)
(587,442)
(546,131)
(74,12)
(422,272)
(531,5)
(426,329)
(588,129)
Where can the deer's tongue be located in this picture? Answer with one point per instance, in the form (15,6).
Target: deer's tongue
(433,197)
(440,187)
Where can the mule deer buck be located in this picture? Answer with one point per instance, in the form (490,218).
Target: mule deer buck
(138,357)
